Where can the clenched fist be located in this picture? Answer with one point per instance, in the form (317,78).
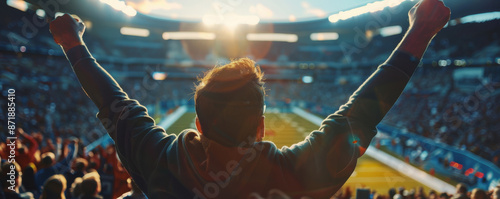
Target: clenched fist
(428,17)
(67,31)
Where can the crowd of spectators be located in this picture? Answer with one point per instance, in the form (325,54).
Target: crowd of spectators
(462,192)
(49,169)
(434,106)
(48,98)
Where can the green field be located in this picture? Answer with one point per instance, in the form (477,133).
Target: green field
(285,129)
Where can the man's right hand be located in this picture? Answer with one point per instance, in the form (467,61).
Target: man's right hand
(428,17)
(67,31)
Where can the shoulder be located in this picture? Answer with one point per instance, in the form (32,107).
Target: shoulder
(337,121)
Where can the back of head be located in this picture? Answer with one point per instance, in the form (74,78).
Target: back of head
(47,159)
(496,193)
(22,150)
(392,192)
(28,177)
(76,188)
(444,196)
(432,194)
(80,164)
(461,188)
(378,196)
(478,194)
(54,187)
(401,190)
(230,102)
(91,184)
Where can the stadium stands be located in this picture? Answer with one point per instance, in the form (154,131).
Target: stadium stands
(443,102)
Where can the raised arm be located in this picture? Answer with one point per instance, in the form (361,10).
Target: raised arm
(33,143)
(64,164)
(101,88)
(344,135)
(369,104)
(139,142)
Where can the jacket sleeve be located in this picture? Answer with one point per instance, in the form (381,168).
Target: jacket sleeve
(139,142)
(33,145)
(368,105)
(344,135)
(65,164)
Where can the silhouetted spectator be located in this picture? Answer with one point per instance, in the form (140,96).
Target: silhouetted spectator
(461,192)
(49,167)
(478,194)
(11,185)
(54,187)
(77,171)
(91,186)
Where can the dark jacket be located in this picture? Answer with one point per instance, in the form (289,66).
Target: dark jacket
(189,165)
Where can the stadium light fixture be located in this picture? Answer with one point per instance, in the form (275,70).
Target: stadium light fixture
(40,13)
(444,63)
(482,17)
(117,5)
(324,36)
(18,4)
(159,76)
(139,32)
(390,31)
(370,7)
(460,62)
(188,36)
(231,20)
(272,37)
(121,6)
(307,79)
(129,11)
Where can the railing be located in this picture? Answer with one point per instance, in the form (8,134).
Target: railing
(459,165)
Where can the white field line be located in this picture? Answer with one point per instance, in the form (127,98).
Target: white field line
(170,119)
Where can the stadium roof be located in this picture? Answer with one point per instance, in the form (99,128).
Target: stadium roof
(152,12)
(265,10)
(159,16)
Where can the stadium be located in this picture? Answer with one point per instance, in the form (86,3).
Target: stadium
(440,139)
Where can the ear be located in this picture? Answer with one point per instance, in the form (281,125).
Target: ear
(261,130)
(198,125)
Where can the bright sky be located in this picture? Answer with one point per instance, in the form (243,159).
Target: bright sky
(266,10)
